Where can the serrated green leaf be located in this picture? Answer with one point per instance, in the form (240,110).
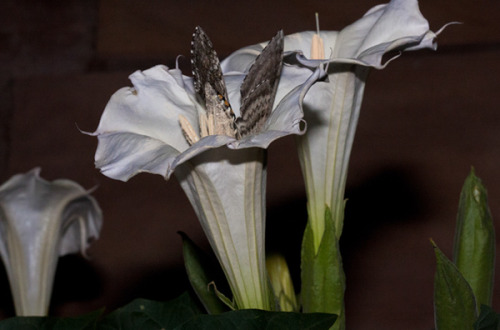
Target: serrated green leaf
(474,249)
(84,322)
(454,302)
(488,319)
(199,276)
(323,278)
(148,314)
(252,319)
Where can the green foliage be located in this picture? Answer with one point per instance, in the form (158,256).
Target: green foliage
(148,314)
(323,278)
(454,302)
(257,319)
(84,322)
(488,319)
(474,250)
(199,276)
(181,313)
(460,287)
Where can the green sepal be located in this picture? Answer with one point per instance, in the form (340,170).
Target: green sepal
(323,278)
(454,301)
(197,270)
(223,298)
(488,319)
(474,246)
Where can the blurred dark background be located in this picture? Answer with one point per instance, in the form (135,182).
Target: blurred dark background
(425,120)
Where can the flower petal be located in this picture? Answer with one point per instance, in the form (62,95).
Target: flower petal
(287,115)
(120,156)
(139,130)
(398,25)
(207,143)
(152,106)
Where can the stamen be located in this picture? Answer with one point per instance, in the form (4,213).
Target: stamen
(203,125)
(188,130)
(317,47)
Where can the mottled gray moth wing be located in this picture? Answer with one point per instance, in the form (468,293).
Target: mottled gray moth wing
(259,87)
(209,84)
(205,64)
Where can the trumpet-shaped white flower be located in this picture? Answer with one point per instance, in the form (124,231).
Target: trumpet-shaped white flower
(40,221)
(140,131)
(331,107)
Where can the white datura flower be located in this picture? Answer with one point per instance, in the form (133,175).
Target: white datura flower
(143,129)
(40,221)
(331,107)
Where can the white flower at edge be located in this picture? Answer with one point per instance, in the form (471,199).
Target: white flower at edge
(331,107)
(40,221)
(140,132)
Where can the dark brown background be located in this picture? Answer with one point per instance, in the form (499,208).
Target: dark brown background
(425,120)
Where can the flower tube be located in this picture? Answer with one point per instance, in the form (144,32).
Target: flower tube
(40,221)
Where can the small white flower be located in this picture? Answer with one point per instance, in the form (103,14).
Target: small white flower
(40,221)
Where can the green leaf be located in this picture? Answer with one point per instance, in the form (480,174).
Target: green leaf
(250,319)
(197,270)
(454,302)
(84,322)
(488,319)
(474,250)
(323,278)
(179,314)
(148,314)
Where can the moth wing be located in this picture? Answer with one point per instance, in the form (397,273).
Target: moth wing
(205,65)
(260,100)
(258,89)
